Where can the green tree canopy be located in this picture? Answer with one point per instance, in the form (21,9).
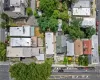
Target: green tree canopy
(2,51)
(90,31)
(29,11)
(33,71)
(46,24)
(48,6)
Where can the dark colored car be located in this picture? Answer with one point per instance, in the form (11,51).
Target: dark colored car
(61,70)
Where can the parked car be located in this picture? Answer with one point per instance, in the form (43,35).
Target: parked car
(61,70)
(97,26)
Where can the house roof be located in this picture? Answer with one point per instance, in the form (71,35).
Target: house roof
(61,44)
(88,22)
(82,3)
(87,45)
(20,42)
(82,11)
(22,52)
(70,48)
(40,57)
(49,42)
(20,31)
(78,47)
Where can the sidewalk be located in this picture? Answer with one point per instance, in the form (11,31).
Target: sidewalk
(94,9)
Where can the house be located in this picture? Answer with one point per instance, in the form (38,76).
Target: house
(40,57)
(78,47)
(24,31)
(61,44)
(22,52)
(81,8)
(87,47)
(15,8)
(17,42)
(88,21)
(70,48)
(49,43)
(95,55)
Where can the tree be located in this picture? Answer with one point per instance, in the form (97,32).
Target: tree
(33,71)
(53,24)
(2,51)
(65,61)
(48,23)
(5,17)
(64,15)
(29,11)
(55,14)
(99,50)
(90,31)
(48,6)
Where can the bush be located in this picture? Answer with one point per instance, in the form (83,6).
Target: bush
(29,11)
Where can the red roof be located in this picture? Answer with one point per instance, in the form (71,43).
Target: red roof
(87,46)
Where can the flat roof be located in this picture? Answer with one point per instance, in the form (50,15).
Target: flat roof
(20,31)
(82,3)
(40,42)
(89,22)
(49,42)
(87,45)
(78,47)
(40,57)
(15,2)
(34,41)
(20,41)
(22,52)
(70,48)
(82,11)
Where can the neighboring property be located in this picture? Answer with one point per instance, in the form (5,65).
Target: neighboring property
(88,21)
(82,8)
(49,43)
(78,47)
(20,42)
(87,47)
(61,44)
(94,56)
(22,52)
(70,48)
(25,31)
(15,8)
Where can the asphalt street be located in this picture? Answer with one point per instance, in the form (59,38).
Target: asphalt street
(4,72)
(98,18)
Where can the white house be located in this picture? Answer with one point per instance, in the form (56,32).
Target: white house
(20,42)
(25,31)
(82,8)
(15,8)
(70,48)
(88,21)
(49,43)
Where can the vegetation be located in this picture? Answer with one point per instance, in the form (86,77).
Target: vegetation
(32,71)
(48,23)
(83,60)
(29,11)
(5,22)
(99,50)
(2,51)
(65,60)
(48,6)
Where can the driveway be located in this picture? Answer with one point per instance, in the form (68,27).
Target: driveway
(32,20)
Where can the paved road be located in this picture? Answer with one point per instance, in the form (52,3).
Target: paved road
(98,18)
(4,72)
